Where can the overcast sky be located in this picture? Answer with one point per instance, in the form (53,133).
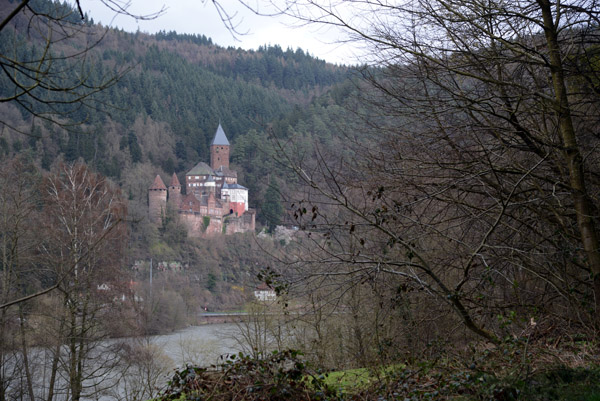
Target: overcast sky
(201,17)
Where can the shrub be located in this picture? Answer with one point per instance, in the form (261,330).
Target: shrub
(278,376)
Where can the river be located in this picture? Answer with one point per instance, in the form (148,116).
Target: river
(125,369)
(196,345)
(199,345)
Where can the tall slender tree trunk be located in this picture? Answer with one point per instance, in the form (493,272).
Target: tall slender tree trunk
(25,354)
(73,357)
(584,207)
(3,380)
(53,371)
(56,359)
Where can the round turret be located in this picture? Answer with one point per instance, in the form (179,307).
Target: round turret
(157,200)
(175,192)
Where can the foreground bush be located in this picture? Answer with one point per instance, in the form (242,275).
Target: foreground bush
(516,369)
(276,376)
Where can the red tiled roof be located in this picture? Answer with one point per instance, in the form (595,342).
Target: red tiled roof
(158,183)
(175,181)
(264,287)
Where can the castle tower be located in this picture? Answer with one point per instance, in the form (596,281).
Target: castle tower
(219,150)
(175,192)
(157,200)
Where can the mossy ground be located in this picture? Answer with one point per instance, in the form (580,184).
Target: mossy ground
(452,379)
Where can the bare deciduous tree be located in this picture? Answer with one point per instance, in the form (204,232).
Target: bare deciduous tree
(83,244)
(18,202)
(478,184)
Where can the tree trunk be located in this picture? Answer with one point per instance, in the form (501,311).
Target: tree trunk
(584,207)
(25,354)
(53,372)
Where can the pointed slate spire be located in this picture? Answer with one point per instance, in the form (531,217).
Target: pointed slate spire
(220,138)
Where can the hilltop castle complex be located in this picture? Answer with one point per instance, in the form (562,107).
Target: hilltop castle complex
(213,203)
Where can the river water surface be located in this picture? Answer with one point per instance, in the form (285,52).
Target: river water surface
(124,369)
(199,345)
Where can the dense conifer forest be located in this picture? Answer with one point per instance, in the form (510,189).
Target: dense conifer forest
(164,110)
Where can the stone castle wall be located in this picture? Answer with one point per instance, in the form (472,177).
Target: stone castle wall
(195,224)
(244,223)
(174,197)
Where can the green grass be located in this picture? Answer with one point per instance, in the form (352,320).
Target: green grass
(348,380)
(568,384)
(352,380)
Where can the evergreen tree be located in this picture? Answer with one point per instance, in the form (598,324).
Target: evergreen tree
(134,148)
(272,208)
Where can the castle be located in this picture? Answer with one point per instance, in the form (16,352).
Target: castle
(213,203)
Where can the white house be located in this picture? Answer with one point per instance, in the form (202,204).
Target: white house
(237,194)
(265,293)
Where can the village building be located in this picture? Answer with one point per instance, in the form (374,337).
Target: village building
(213,203)
(265,293)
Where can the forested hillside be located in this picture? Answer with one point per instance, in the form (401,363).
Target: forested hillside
(171,93)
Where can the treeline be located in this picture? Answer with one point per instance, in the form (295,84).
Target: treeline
(269,64)
(289,69)
(192,38)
